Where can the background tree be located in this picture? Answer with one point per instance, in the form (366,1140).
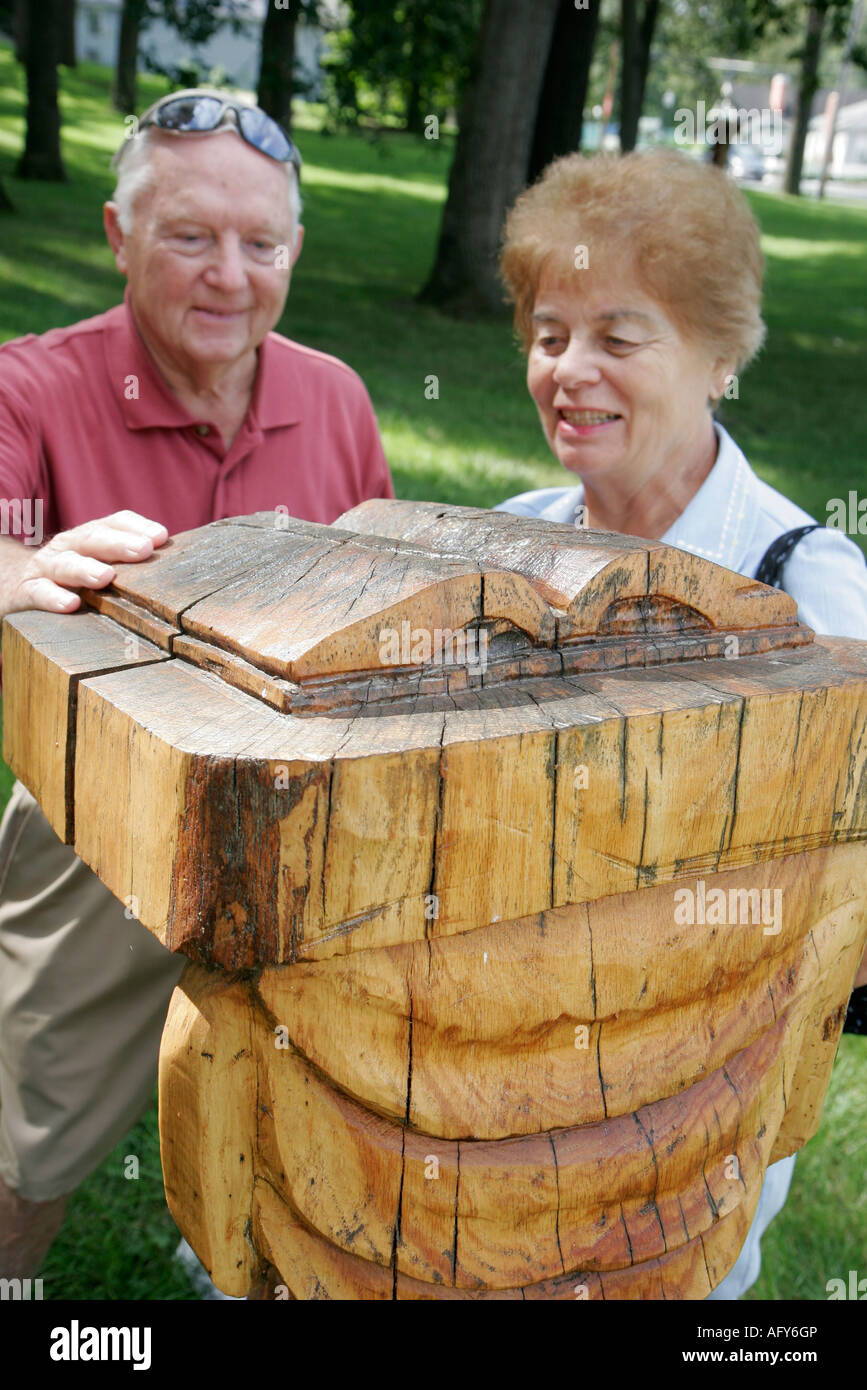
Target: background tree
(67,42)
(404,56)
(6,204)
(687,35)
(560,113)
(42,39)
(20,27)
(277,59)
(822,17)
(124,91)
(195,22)
(492,153)
(637,23)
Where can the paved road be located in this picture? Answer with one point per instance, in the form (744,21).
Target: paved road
(836,190)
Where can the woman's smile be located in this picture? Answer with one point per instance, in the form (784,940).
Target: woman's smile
(585,423)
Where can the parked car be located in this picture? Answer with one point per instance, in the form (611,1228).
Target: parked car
(746,161)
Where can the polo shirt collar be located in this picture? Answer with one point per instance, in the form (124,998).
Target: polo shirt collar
(278,396)
(148,402)
(719,522)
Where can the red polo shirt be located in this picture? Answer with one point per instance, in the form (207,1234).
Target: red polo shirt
(88,425)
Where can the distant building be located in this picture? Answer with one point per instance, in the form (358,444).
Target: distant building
(233,56)
(849,154)
(749,86)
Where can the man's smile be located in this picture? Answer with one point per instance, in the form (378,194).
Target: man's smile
(223,314)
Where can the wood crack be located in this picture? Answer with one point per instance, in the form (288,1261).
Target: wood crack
(649,1141)
(599,1071)
(454,1254)
(396,1234)
(737,771)
(557,1212)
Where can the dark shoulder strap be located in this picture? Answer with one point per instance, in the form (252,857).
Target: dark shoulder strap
(770,571)
(856,1014)
(770,568)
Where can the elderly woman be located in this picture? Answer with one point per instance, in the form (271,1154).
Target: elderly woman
(637,289)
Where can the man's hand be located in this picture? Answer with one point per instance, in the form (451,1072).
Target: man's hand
(78,559)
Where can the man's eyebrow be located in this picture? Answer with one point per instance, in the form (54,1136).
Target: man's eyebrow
(178,217)
(181,218)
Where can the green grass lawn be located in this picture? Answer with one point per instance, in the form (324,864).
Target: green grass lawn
(372,215)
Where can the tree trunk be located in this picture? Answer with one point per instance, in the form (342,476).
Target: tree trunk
(414,123)
(637,33)
(41,158)
(124,92)
(564,89)
(726,134)
(21,29)
(67,40)
(277,64)
(6,204)
(807,89)
(492,153)
(414,119)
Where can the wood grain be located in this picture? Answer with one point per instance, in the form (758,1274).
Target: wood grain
(208,1117)
(45,656)
(486,1023)
(464,816)
(579,570)
(507,980)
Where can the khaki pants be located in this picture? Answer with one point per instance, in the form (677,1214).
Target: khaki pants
(84,992)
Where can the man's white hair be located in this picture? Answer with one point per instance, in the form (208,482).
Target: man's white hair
(135,173)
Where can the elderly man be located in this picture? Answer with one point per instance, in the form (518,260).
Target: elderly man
(179,407)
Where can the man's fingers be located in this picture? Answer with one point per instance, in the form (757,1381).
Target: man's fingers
(44,594)
(59,572)
(84,558)
(132,521)
(51,578)
(77,571)
(102,541)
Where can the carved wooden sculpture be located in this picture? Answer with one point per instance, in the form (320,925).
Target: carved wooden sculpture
(512,964)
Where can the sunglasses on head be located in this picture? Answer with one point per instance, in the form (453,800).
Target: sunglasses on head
(197,112)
